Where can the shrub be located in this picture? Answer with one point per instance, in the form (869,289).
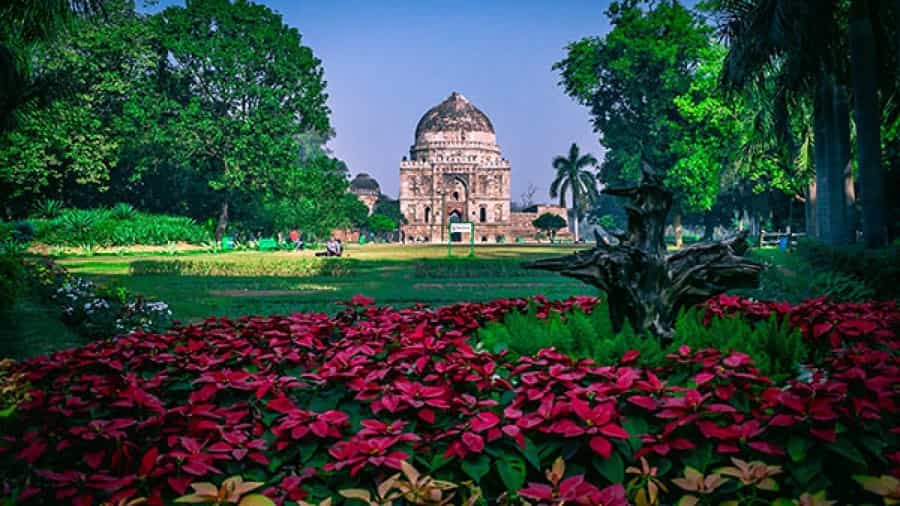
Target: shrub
(878,270)
(123,211)
(47,209)
(775,346)
(257,266)
(120,226)
(11,279)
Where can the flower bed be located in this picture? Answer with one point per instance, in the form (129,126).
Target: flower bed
(309,405)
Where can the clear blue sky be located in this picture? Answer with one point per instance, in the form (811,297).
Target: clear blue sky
(388,61)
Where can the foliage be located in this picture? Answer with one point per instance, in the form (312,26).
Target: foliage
(776,348)
(381,224)
(550,223)
(311,405)
(120,226)
(96,312)
(243,135)
(630,79)
(571,177)
(11,279)
(301,267)
(863,272)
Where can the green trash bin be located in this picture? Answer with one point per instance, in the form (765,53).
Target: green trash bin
(227,243)
(362,239)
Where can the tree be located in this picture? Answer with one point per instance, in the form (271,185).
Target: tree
(630,79)
(23,25)
(571,177)
(239,113)
(863,66)
(68,144)
(389,207)
(381,225)
(799,43)
(549,223)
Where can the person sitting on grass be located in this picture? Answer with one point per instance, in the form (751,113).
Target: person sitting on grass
(332,249)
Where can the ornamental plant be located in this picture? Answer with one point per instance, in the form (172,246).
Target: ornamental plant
(310,404)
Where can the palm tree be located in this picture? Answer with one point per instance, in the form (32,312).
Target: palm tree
(797,43)
(571,177)
(864,70)
(22,24)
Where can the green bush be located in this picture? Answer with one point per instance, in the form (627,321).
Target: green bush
(574,333)
(119,226)
(259,266)
(877,269)
(48,209)
(11,278)
(776,348)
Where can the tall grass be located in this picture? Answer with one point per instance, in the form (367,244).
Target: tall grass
(120,226)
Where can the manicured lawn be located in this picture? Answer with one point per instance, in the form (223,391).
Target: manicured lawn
(34,328)
(393,274)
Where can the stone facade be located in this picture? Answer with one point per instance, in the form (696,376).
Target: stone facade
(456,173)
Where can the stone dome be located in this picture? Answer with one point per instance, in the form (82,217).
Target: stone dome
(455,114)
(364,184)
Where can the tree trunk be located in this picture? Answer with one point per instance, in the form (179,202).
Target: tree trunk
(644,285)
(809,208)
(830,146)
(676,227)
(575,216)
(222,224)
(868,124)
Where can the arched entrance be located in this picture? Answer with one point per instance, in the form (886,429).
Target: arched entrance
(455,217)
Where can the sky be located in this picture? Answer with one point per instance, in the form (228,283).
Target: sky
(386,62)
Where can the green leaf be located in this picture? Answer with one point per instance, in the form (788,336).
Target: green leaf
(635,425)
(806,471)
(796,448)
(531,454)
(477,468)
(512,472)
(613,469)
(845,448)
(700,457)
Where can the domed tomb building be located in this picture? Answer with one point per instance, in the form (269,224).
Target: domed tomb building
(367,189)
(456,173)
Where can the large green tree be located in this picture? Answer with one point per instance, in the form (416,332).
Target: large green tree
(572,177)
(241,90)
(67,144)
(630,79)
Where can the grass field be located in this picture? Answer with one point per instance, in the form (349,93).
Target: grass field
(393,274)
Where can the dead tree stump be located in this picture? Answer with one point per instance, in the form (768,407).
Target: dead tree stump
(644,284)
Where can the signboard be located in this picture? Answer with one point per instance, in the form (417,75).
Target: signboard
(457,228)
(460,227)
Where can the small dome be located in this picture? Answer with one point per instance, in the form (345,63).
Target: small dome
(364,184)
(455,113)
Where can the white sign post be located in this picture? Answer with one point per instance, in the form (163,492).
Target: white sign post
(458,228)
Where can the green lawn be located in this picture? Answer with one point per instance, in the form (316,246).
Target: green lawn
(393,274)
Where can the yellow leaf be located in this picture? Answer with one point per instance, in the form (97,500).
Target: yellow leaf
(356,493)
(256,500)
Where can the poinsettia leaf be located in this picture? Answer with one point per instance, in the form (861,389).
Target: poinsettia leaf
(256,500)
(512,472)
(612,468)
(796,448)
(476,468)
(530,452)
(845,448)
